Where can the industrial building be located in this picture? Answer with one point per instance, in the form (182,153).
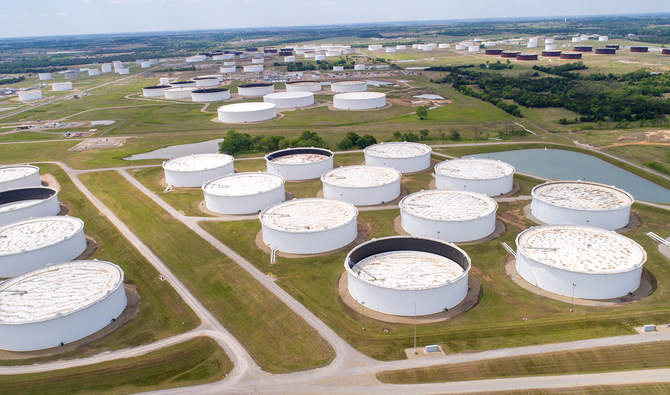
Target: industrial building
(290,99)
(299,164)
(27,202)
(487,176)
(406,157)
(362,185)
(247,112)
(243,193)
(194,170)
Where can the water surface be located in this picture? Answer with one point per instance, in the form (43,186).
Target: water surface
(176,151)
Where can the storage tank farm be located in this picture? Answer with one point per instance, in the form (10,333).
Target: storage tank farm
(194,170)
(450,215)
(309,226)
(581,203)
(247,112)
(27,202)
(407,276)
(290,99)
(487,176)
(243,193)
(406,157)
(19,176)
(362,185)
(35,242)
(584,261)
(59,304)
(300,164)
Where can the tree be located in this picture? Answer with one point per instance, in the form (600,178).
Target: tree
(353,137)
(410,137)
(422,112)
(397,136)
(423,133)
(345,144)
(366,141)
(455,135)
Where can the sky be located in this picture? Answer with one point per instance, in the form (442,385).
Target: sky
(25,18)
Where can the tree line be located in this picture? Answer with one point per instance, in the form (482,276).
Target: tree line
(236,142)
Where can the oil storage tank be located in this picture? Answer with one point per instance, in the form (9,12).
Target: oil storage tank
(299,164)
(61,86)
(155,91)
(407,276)
(210,95)
(303,86)
(243,193)
(362,185)
(359,100)
(19,176)
(406,157)
(348,86)
(487,176)
(59,304)
(194,170)
(290,99)
(309,226)
(255,90)
(30,95)
(28,202)
(247,112)
(587,262)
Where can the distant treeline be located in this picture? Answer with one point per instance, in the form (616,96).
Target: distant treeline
(12,80)
(236,142)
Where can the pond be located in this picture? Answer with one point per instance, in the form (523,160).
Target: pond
(569,165)
(175,151)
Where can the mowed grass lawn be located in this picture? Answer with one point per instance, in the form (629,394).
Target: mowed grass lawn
(278,339)
(193,362)
(506,316)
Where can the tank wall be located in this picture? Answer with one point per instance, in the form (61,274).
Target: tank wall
(401,302)
(206,83)
(66,329)
(227,69)
(256,91)
(195,179)
(493,187)
(349,88)
(363,196)
(62,86)
(555,215)
(290,102)
(244,204)
(33,180)
(45,208)
(303,88)
(404,165)
(589,286)
(153,92)
(310,243)
(178,94)
(452,231)
(358,104)
(212,96)
(307,171)
(247,116)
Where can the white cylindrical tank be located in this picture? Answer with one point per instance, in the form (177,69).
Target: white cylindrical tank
(28,202)
(183,84)
(390,49)
(400,47)
(320,57)
(164,81)
(550,47)
(19,176)
(444,46)
(153,62)
(70,74)
(93,72)
(299,164)
(532,45)
(374,47)
(179,93)
(289,58)
(362,185)
(460,47)
(145,65)
(603,38)
(451,215)
(310,55)
(44,76)
(303,86)
(290,99)
(247,112)
(124,71)
(155,91)
(257,60)
(35,242)
(359,100)
(194,170)
(253,68)
(210,95)
(349,86)
(196,58)
(584,38)
(581,203)
(349,51)
(243,193)
(227,69)
(334,53)
(576,40)
(359,67)
(489,44)
(206,82)
(487,176)
(338,68)
(61,86)
(106,68)
(29,95)
(532,39)
(583,261)
(255,90)
(407,276)
(405,157)
(548,40)
(230,63)
(59,304)
(309,226)
(473,48)
(415,46)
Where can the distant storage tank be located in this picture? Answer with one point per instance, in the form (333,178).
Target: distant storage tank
(247,112)
(473,48)
(359,67)
(106,68)
(449,215)
(124,71)
(407,276)
(253,68)
(45,76)
(554,53)
(243,193)
(550,47)
(197,58)
(489,44)
(375,47)
(605,51)
(145,65)
(29,95)
(70,75)
(290,99)
(576,40)
(210,95)
(19,176)
(231,63)
(406,157)
(183,84)
(303,86)
(359,100)
(533,39)
(194,170)
(28,202)
(615,46)
(300,164)
(571,55)
(486,176)
(444,46)
(509,54)
(33,243)
(83,297)
(178,93)
(362,185)
(309,226)
(206,81)
(390,49)
(582,48)
(531,45)
(337,52)
(665,51)
(320,57)
(289,58)
(400,47)
(348,86)
(493,52)
(338,68)
(155,91)
(227,69)
(584,38)
(603,38)
(579,261)
(581,203)
(639,49)
(460,47)
(549,40)
(258,61)
(93,72)
(526,56)
(164,81)
(255,90)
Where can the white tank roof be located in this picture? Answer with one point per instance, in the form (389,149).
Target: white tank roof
(407,270)
(448,205)
(37,233)
(197,162)
(305,83)
(397,150)
(57,290)
(10,173)
(581,195)
(360,95)
(474,169)
(247,107)
(581,249)
(361,176)
(349,83)
(243,184)
(299,159)
(308,215)
(288,95)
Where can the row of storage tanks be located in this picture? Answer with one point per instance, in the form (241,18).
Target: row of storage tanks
(48,298)
(576,246)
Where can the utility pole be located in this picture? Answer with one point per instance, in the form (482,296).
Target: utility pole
(415,329)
